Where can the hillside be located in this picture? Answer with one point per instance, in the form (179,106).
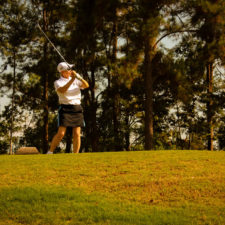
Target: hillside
(149,187)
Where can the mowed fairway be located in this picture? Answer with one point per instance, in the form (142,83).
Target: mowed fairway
(149,187)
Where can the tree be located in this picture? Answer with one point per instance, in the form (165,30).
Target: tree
(208,16)
(45,61)
(15,37)
(95,52)
(149,20)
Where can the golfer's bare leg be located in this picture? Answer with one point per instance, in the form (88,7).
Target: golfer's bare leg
(76,139)
(57,138)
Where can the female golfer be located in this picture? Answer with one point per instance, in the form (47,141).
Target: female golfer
(70,111)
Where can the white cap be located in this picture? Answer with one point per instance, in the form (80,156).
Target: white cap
(64,66)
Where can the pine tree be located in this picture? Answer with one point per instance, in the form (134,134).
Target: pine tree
(15,38)
(148,18)
(208,17)
(50,16)
(95,52)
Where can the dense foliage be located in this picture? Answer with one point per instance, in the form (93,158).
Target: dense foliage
(143,94)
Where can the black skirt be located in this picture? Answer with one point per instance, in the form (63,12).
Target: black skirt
(70,116)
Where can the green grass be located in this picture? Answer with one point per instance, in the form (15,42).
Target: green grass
(149,187)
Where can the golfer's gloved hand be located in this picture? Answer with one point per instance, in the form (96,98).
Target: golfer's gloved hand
(76,75)
(73,74)
(79,77)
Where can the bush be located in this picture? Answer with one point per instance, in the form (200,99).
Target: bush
(3,147)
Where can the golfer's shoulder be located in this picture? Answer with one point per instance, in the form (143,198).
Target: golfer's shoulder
(58,82)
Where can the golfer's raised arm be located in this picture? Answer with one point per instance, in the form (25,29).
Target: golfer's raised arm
(74,76)
(66,86)
(84,82)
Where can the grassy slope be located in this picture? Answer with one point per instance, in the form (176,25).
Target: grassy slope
(154,187)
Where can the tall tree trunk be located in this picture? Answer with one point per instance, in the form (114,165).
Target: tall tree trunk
(45,84)
(12,104)
(148,93)
(116,97)
(210,134)
(127,132)
(94,133)
(189,139)
(86,101)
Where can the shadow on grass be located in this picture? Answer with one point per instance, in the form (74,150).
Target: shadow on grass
(54,205)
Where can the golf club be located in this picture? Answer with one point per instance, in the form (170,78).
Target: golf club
(53,46)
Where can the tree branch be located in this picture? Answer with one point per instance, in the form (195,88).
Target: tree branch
(219,71)
(170,33)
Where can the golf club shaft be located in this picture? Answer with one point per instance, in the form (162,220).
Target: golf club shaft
(53,45)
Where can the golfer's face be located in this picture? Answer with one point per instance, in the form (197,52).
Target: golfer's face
(66,73)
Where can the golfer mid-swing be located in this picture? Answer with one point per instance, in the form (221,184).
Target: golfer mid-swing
(70,112)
